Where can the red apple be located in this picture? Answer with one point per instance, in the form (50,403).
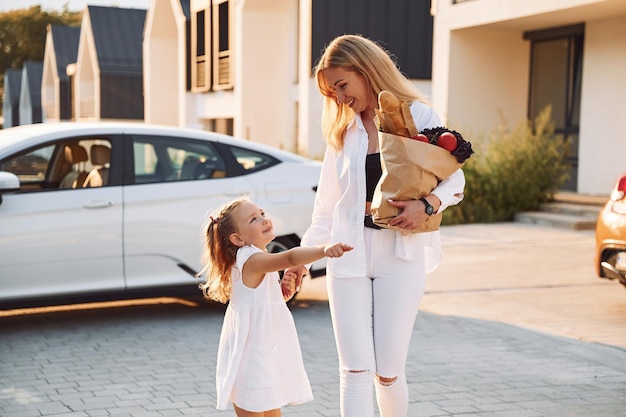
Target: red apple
(447,140)
(421,137)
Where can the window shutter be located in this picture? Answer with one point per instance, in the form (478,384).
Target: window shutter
(201,51)
(223,26)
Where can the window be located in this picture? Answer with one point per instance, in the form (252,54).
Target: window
(68,164)
(30,167)
(201,59)
(162,159)
(223,17)
(252,161)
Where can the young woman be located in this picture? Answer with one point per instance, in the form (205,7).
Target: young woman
(375,290)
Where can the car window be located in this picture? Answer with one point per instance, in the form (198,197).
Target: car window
(31,166)
(167,159)
(251,160)
(67,164)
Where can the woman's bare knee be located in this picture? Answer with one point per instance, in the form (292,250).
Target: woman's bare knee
(386,381)
(356,372)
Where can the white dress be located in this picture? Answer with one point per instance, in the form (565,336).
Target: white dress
(259,362)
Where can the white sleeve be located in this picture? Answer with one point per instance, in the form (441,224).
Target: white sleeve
(450,190)
(424,116)
(327,195)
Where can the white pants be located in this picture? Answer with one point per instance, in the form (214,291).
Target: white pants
(373,318)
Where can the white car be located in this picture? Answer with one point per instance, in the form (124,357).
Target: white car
(111,208)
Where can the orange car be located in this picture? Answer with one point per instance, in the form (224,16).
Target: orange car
(610,259)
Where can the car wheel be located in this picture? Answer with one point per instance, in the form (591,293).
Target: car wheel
(281,244)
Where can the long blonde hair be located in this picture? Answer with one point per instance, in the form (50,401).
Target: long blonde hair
(219,254)
(362,55)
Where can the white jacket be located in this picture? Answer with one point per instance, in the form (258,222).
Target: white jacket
(339,208)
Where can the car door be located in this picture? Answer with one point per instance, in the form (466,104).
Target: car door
(56,237)
(175,184)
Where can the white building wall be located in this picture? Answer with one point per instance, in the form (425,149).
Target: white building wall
(164,63)
(50,83)
(488,70)
(266,72)
(603,124)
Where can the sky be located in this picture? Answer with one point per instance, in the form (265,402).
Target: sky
(73,5)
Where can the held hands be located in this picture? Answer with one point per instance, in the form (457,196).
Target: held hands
(336,250)
(288,285)
(297,272)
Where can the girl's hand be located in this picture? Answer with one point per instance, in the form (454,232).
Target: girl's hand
(336,250)
(288,285)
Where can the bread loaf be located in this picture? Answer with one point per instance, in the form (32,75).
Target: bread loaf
(391,109)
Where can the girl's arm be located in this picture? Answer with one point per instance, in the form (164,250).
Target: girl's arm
(261,263)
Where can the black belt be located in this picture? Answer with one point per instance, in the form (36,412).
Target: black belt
(369,222)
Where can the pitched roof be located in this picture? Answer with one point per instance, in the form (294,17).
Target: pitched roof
(186,8)
(118,36)
(65,43)
(34,71)
(13,85)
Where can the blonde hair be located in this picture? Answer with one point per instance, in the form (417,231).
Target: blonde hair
(362,55)
(219,254)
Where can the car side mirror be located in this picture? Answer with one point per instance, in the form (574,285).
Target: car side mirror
(9,183)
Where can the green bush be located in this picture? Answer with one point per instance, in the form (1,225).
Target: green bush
(511,171)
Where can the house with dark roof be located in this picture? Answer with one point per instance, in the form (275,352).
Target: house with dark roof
(109,70)
(30,94)
(250,62)
(11,103)
(56,85)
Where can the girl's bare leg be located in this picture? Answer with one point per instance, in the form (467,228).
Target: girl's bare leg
(273,413)
(244,413)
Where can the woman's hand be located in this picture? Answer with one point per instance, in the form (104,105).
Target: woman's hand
(413,212)
(288,285)
(298,272)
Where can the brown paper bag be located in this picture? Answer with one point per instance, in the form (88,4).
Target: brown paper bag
(411,169)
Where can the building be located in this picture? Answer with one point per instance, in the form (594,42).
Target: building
(498,60)
(56,85)
(244,68)
(108,77)
(12,92)
(30,93)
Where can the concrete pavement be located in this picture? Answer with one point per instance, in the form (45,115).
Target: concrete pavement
(156,358)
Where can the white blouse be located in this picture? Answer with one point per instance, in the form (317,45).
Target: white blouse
(339,208)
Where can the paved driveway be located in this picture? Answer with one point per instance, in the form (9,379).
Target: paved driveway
(156,358)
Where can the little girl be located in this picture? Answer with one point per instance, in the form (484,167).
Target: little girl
(259,363)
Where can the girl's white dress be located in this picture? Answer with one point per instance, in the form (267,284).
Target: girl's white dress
(259,362)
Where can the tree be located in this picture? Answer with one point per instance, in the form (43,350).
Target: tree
(23,36)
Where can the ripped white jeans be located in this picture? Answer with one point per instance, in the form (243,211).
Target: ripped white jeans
(373,318)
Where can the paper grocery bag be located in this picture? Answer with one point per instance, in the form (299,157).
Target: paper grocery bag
(411,169)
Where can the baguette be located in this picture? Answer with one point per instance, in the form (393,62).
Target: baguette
(391,109)
(408,120)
